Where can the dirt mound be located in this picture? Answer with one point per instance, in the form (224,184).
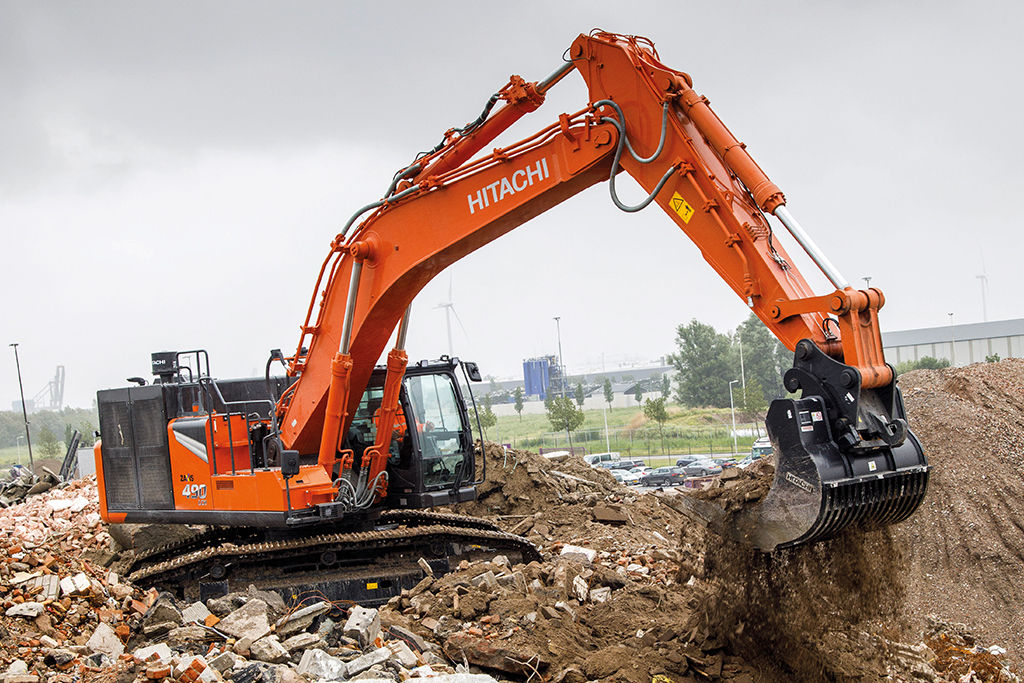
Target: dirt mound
(965,545)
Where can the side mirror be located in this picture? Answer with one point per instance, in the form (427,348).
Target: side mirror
(472,371)
(289,463)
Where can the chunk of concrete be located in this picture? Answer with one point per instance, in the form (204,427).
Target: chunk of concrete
(301,619)
(600,594)
(153,653)
(162,611)
(223,661)
(248,621)
(371,658)
(196,612)
(269,650)
(317,664)
(301,641)
(105,641)
(580,589)
(403,654)
(579,553)
(363,625)
(28,610)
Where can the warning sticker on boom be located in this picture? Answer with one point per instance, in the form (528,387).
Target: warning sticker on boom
(680,206)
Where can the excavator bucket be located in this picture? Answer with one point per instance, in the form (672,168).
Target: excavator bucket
(818,490)
(842,457)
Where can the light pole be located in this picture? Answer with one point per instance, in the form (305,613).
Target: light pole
(561,371)
(867,281)
(732,407)
(952,342)
(24,410)
(561,363)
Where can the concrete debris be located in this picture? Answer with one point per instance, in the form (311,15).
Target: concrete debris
(363,625)
(248,621)
(106,641)
(617,595)
(269,649)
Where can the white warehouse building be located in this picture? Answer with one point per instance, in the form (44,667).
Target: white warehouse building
(959,344)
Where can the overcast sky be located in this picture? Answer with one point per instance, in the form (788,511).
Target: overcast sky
(171,174)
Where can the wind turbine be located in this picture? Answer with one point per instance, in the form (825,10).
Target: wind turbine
(449,311)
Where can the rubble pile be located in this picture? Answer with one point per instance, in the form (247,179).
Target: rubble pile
(964,545)
(630,587)
(18,483)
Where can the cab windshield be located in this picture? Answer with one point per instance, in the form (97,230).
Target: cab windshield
(437,419)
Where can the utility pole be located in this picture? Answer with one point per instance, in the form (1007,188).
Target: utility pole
(732,406)
(561,371)
(867,281)
(743,374)
(24,410)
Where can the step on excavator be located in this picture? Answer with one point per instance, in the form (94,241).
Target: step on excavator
(322,479)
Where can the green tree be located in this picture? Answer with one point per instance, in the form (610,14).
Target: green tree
(654,409)
(517,394)
(764,357)
(757,405)
(609,394)
(487,417)
(564,414)
(923,363)
(48,443)
(703,364)
(666,386)
(638,393)
(994,358)
(580,397)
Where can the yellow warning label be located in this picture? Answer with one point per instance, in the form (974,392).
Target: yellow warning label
(371,586)
(680,206)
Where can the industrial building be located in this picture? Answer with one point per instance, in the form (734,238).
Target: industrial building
(959,344)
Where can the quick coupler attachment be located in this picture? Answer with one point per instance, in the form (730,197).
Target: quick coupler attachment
(820,489)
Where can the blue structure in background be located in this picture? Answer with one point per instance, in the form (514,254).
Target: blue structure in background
(538,374)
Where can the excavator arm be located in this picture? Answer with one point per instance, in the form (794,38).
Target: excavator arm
(845,453)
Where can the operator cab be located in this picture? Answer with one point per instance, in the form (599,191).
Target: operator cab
(431,456)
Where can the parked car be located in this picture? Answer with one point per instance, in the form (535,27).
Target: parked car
(686,460)
(663,476)
(595,458)
(619,475)
(725,463)
(761,448)
(630,478)
(622,465)
(702,468)
(642,470)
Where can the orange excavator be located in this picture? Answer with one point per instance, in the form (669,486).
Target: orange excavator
(328,469)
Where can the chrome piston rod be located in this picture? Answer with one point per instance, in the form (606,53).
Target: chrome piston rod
(812,249)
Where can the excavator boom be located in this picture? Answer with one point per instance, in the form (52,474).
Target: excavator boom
(645,119)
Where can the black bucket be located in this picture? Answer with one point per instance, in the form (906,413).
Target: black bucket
(820,490)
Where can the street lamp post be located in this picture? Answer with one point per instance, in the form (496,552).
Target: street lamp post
(732,407)
(561,371)
(24,410)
